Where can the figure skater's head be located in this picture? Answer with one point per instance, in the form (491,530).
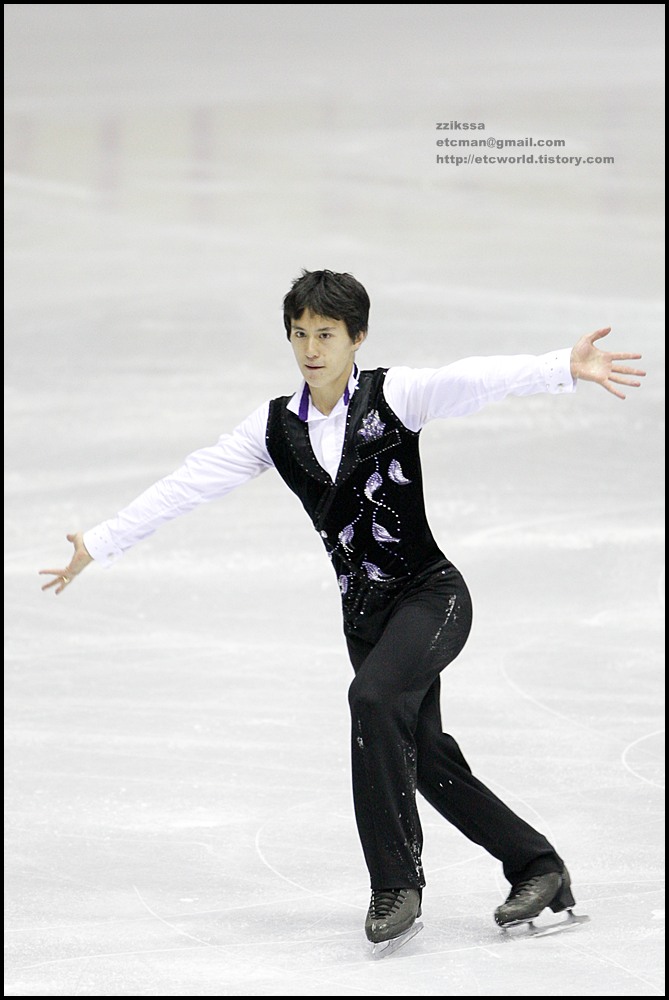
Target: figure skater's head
(331,295)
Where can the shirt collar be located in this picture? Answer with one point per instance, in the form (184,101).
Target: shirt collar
(301,404)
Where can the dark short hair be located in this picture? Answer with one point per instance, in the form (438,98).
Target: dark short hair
(326,293)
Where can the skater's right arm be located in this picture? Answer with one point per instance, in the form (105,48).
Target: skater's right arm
(205,475)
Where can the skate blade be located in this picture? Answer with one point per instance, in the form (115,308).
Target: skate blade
(384,948)
(530,929)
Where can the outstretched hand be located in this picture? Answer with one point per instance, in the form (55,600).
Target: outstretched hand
(592,365)
(78,562)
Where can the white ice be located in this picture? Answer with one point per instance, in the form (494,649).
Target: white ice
(179,817)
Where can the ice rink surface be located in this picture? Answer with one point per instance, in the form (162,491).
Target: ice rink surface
(178,810)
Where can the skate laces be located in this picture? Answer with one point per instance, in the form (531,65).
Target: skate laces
(385,902)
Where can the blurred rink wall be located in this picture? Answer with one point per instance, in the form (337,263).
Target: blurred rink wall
(173,164)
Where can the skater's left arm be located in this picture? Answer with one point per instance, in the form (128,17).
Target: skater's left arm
(592,365)
(418,395)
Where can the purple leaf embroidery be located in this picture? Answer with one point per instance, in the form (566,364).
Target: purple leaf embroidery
(381,534)
(346,535)
(343,584)
(373,571)
(396,474)
(372,484)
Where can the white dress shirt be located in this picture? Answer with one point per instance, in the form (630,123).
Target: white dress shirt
(415,395)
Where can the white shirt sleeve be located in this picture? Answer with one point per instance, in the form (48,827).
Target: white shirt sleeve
(418,395)
(205,475)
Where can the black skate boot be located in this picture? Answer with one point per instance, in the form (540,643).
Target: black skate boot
(527,899)
(391,913)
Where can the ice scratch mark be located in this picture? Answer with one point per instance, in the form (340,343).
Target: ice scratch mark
(535,701)
(172,926)
(654,760)
(290,881)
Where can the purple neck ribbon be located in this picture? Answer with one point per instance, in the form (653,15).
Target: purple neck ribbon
(303,411)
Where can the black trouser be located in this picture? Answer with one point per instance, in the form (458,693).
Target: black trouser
(398,745)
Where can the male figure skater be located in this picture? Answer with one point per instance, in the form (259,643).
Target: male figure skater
(347,444)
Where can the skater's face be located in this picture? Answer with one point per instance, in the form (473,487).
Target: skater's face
(324,351)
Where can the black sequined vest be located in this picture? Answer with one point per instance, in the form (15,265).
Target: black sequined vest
(372,517)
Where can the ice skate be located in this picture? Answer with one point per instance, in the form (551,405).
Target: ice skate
(529,898)
(391,919)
